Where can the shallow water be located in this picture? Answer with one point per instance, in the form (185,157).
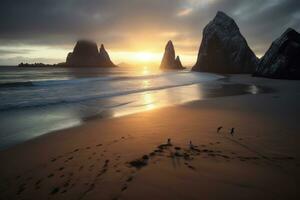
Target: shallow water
(37,101)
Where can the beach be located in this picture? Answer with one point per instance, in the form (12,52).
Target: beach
(128,157)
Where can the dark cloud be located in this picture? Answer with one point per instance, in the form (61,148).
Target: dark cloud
(118,22)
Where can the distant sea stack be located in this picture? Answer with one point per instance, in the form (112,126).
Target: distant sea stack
(169,61)
(86,54)
(282,60)
(223,48)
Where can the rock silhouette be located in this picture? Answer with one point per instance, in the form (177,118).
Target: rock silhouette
(282,60)
(169,61)
(178,63)
(85,54)
(104,58)
(223,48)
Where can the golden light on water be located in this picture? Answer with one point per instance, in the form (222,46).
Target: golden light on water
(148,100)
(151,99)
(146,84)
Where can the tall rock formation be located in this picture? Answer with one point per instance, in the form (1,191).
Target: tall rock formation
(178,63)
(223,48)
(104,58)
(282,60)
(169,61)
(85,54)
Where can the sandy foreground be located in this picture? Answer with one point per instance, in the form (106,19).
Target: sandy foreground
(94,161)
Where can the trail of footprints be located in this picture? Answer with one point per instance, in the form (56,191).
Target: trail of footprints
(168,150)
(94,156)
(98,164)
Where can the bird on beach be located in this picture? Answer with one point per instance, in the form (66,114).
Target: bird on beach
(169,141)
(219,128)
(232,131)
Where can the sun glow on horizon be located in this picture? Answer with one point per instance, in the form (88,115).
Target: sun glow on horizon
(145,56)
(52,55)
(140,58)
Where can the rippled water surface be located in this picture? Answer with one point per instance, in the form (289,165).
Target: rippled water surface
(37,101)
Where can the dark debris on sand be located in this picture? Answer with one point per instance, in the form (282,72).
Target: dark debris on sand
(139,163)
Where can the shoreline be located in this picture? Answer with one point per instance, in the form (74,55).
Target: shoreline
(268,152)
(76,114)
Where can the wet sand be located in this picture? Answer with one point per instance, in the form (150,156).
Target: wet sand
(130,158)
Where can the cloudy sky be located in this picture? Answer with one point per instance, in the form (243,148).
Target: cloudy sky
(46,30)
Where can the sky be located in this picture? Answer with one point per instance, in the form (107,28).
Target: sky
(133,31)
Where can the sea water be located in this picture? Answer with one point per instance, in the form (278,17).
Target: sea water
(36,101)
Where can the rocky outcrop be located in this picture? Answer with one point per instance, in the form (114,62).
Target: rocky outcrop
(178,63)
(169,61)
(223,48)
(104,58)
(85,54)
(282,60)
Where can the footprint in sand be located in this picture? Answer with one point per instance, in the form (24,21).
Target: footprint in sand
(190,166)
(55,190)
(67,183)
(106,163)
(76,150)
(129,179)
(64,191)
(61,168)
(50,175)
(225,156)
(124,187)
(38,181)
(21,188)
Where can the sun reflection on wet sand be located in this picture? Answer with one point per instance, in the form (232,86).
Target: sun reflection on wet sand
(253,89)
(145,84)
(160,98)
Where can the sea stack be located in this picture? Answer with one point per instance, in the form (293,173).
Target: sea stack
(85,54)
(169,61)
(282,60)
(223,48)
(104,58)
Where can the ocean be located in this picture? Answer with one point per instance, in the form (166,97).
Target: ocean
(37,101)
